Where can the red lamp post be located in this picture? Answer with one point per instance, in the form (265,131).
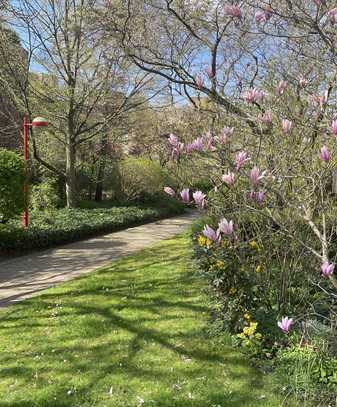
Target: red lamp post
(37,122)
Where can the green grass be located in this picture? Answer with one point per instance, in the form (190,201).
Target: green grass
(133,334)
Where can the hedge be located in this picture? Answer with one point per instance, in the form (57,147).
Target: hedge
(49,228)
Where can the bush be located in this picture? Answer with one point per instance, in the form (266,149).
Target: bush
(49,228)
(141,179)
(309,373)
(44,196)
(12,178)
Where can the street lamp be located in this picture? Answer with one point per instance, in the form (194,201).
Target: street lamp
(37,122)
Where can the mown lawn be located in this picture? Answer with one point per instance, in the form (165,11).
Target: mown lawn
(133,334)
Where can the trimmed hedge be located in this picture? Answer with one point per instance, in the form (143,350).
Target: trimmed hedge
(50,228)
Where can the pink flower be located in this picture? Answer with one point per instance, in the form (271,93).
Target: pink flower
(240,159)
(185,195)
(199,81)
(286,125)
(199,199)
(173,140)
(334,127)
(177,150)
(266,118)
(317,2)
(169,191)
(226,134)
(227,228)
(263,15)
(325,154)
(256,176)
(211,234)
(233,11)
(332,15)
(281,87)
(254,96)
(229,178)
(285,324)
(198,144)
(258,197)
(210,72)
(327,269)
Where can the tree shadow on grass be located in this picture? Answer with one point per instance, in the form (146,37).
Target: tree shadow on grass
(137,327)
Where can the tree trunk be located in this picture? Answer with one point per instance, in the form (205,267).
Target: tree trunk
(71,190)
(101,169)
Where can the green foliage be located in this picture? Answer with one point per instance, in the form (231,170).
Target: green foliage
(141,179)
(11,185)
(44,196)
(48,228)
(308,372)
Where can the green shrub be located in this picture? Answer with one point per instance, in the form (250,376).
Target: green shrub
(49,228)
(141,179)
(309,373)
(12,177)
(44,196)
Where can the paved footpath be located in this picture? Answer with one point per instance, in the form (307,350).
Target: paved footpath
(25,276)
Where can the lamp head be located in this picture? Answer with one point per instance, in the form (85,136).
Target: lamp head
(39,122)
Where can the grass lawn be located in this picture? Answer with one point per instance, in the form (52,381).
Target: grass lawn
(133,334)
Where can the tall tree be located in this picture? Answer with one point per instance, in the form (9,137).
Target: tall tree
(82,74)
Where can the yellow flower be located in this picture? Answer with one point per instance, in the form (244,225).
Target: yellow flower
(202,240)
(253,244)
(220,263)
(247,316)
(259,268)
(241,335)
(232,290)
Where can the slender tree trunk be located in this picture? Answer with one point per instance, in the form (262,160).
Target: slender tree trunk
(101,169)
(71,190)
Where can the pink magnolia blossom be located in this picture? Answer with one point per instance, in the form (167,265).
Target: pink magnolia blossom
(173,140)
(170,191)
(254,96)
(266,118)
(327,269)
(325,154)
(334,127)
(258,197)
(178,150)
(227,228)
(185,195)
(233,11)
(256,175)
(262,16)
(286,126)
(199,199)
(229,178)
(281,87)
(285,324)
(210,72)
(211,234)
(199,81)
(241,158)
(225,136)
(332,16)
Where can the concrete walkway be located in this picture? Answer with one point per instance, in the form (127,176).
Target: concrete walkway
(25,276)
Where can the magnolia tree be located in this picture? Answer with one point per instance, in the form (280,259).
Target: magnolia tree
(271,68)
